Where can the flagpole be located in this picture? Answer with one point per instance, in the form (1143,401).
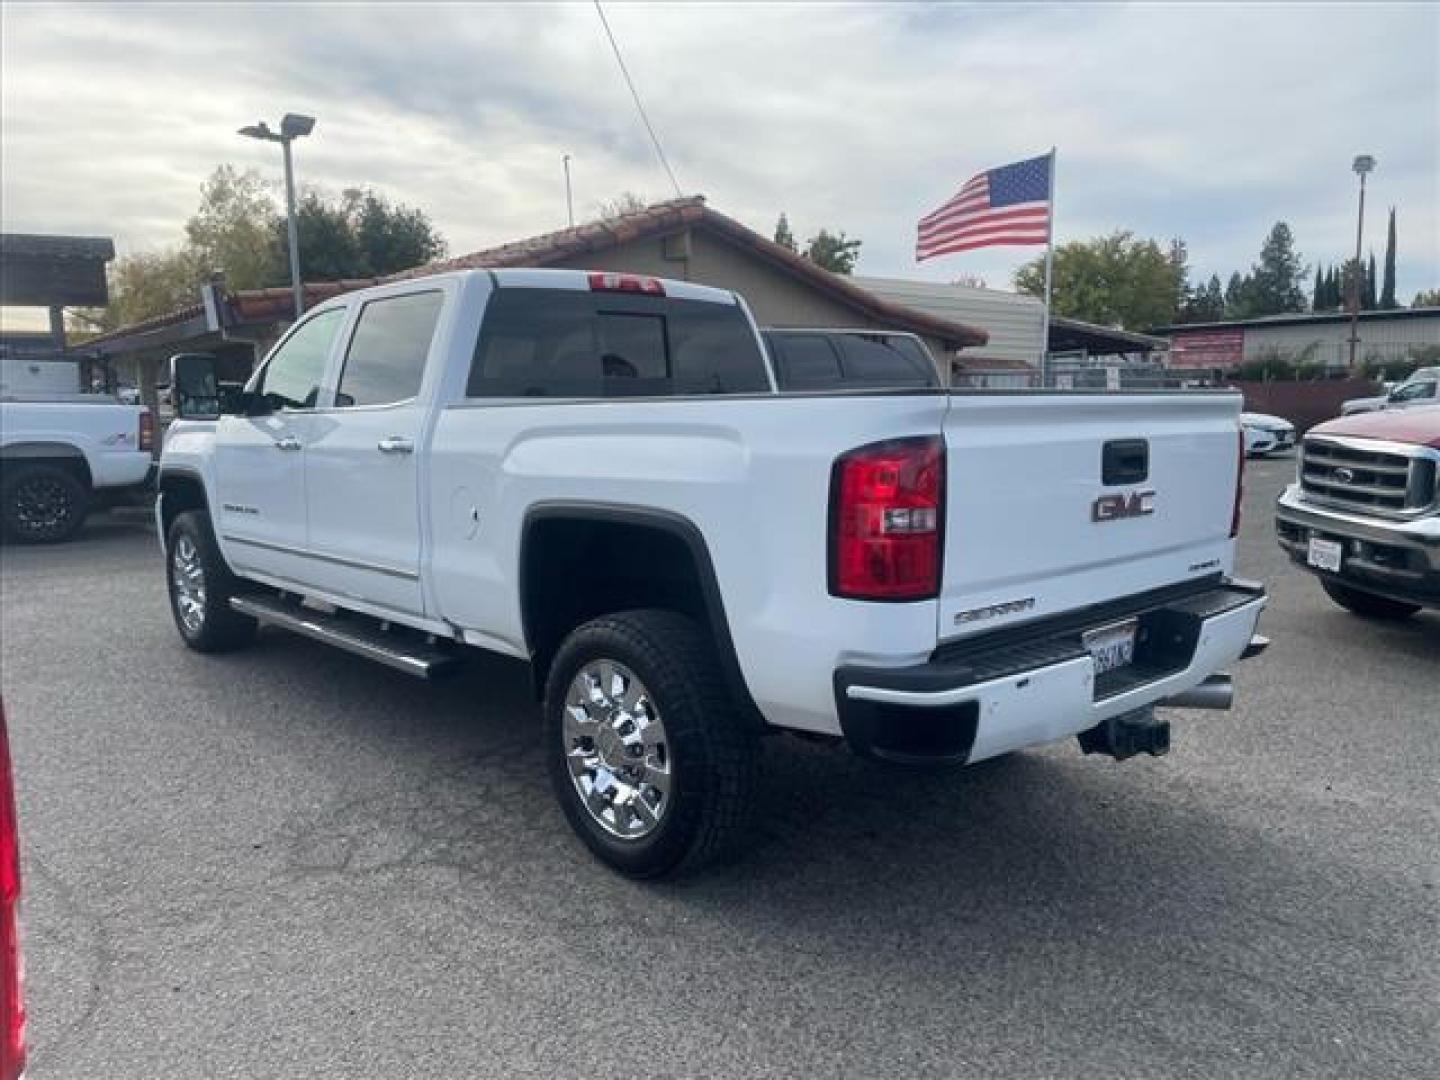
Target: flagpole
(1049,267)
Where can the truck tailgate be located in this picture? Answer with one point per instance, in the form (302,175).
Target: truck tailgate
(1032,528)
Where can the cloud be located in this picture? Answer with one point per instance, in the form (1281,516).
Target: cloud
(1208,122)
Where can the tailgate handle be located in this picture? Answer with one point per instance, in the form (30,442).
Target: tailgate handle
(1125,461)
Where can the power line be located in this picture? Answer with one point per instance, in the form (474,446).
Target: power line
(659,150)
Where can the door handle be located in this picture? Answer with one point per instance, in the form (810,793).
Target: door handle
(287,442)
(396,444)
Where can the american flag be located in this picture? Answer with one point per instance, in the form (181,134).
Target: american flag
(1008,205)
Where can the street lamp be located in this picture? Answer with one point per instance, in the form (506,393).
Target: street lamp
(292,126)
(1363,165)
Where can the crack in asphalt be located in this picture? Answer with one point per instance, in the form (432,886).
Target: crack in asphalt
(73,1035)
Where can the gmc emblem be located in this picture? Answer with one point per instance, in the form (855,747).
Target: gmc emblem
(1122,505)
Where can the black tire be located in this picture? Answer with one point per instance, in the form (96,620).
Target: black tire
(1368,604)
(217,628)
(712,750)
(42,503)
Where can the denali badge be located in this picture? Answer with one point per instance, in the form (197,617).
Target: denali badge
(1123,505)
(991,611)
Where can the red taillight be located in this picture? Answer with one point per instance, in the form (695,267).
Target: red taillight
(886,512)
(12,1001)
(1239,488)
(147,429)
(606,282)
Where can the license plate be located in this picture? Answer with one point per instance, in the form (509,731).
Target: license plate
(1112,647)
(1325,554)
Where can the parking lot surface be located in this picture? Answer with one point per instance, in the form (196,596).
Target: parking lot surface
(288,862)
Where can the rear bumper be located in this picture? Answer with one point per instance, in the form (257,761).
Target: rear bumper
(1399,559)
(1035,684)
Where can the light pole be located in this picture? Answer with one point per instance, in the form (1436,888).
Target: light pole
(569,202)
(1363,165)
(292,126)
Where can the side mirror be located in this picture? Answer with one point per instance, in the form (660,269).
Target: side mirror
(231,395)
(194,390)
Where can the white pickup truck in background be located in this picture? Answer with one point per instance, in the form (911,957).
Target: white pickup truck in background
(63,452)
(596,474)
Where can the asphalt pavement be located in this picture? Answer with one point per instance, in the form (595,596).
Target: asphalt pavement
(289,862)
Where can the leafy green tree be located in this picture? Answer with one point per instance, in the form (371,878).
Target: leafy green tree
(1115,280)
(1387,289)
(239,229)
(1212,307)
(360,235)
(328,248)
(1179,259)
(1367,300)
(1426,298)
(1317,294)
(1240,297)
(141,286)
(833,251)
(391,237)
(1206,303)
(232,229)
(783,236)
(1278,278)
(1352,285)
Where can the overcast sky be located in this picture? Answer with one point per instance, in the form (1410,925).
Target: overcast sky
(1206,121)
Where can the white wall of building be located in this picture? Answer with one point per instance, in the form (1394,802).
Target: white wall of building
(1015,323)
(1387,339)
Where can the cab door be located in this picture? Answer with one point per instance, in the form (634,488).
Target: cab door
(259,462)
(363,457)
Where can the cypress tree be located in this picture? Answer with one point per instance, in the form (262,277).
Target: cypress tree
(1368,301)
(1317,294)
(1387,290)
(783,236)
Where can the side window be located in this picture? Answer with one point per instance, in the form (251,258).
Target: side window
(883,360)
(536,343)
(713,351)
(806,362)
(291,378)
(1414,390)
(386,358)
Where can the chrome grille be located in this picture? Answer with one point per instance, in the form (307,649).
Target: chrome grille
(1361,474)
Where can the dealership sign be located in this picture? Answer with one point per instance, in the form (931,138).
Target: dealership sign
(1207,348)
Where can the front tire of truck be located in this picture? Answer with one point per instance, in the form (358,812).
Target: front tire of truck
(1368,604)
(654,767)
(201,586)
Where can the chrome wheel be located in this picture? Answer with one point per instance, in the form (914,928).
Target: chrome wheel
(616,750)
(187,574)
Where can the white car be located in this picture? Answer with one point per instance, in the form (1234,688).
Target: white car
(1265,434)
(1420,389)
(596,473)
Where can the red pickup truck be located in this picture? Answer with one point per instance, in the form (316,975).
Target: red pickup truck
(1364,511)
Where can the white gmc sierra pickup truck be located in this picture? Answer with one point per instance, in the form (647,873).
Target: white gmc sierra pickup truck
(594,473)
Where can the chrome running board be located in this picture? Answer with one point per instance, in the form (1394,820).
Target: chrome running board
(420,659)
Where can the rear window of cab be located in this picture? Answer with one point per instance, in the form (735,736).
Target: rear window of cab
(561,343)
